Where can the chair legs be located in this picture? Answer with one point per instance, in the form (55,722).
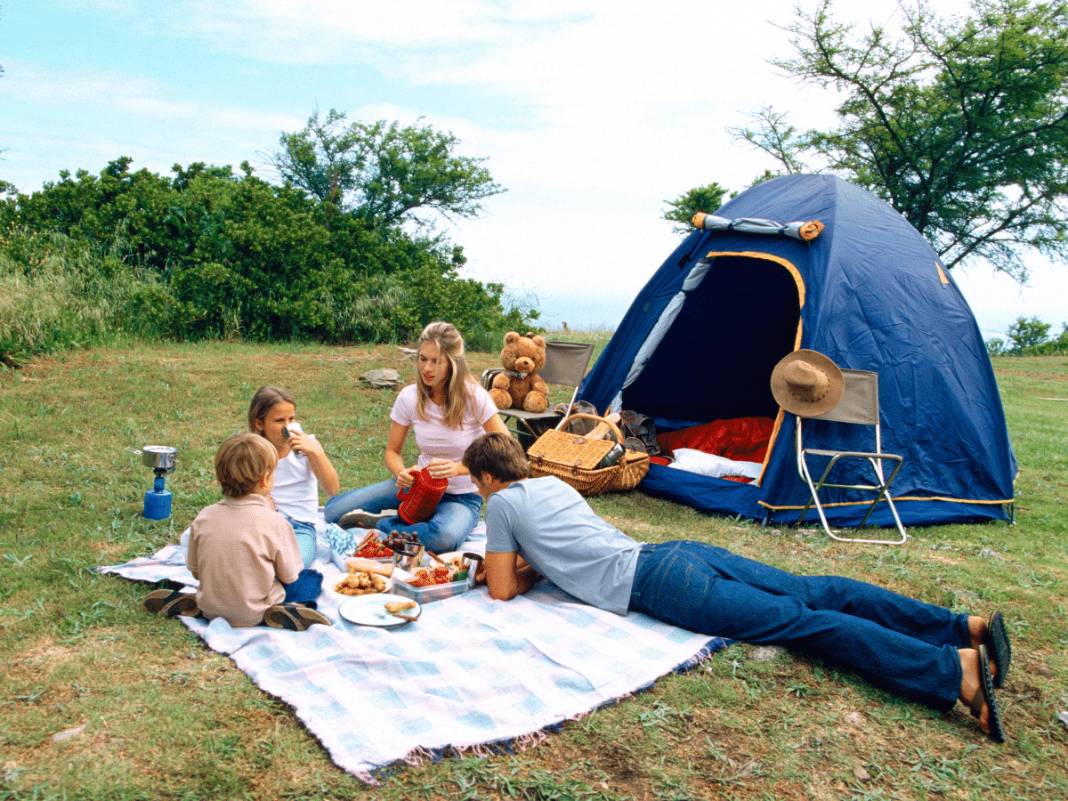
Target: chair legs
(881,491)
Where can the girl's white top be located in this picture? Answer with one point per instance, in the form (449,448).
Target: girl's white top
(296,490)
(435,439)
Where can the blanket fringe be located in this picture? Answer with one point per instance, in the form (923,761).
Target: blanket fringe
(418,756)
(534,738)
(703,655)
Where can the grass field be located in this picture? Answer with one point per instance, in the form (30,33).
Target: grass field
(164,717)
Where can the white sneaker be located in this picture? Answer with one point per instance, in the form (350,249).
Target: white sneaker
(358,518)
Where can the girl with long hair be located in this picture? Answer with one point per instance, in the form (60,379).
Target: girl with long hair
(447,410)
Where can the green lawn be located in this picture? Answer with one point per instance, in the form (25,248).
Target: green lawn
(164,717)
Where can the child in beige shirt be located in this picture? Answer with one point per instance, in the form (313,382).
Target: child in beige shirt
(243,552)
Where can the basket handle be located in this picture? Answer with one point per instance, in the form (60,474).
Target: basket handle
(612,427)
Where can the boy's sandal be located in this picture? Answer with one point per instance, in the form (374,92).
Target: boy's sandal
(998,645)
(170,603)
(294,617)
(985,694)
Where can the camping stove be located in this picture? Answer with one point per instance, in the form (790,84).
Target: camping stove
(161,458)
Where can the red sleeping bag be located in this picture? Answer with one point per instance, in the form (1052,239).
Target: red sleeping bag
(743,439)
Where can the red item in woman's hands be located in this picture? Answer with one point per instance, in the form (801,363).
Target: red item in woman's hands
(419,501)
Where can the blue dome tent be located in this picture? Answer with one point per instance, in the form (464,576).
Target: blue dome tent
(700,340)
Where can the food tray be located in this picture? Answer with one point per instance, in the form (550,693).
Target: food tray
(435,592)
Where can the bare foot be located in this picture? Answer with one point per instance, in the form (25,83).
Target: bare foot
(977,633)
(976,630)
(971,691)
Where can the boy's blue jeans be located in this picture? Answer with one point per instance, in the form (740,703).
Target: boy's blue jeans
(899,643)
(305,589)
(451,524)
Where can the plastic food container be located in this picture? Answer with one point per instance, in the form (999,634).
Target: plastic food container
(435,592)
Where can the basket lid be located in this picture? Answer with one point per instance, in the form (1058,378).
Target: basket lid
(568,449)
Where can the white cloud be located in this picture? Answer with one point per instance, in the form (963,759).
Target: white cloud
(612,109)
(83,119)
(129,93)
(340,31)
(997,300)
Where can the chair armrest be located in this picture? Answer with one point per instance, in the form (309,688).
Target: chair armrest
(488,375)
(854,454)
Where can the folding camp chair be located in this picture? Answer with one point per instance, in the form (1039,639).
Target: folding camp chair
(859,406)
(565,364)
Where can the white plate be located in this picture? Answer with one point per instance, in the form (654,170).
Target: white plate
(370,610)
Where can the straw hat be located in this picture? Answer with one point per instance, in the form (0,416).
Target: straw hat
(807,383)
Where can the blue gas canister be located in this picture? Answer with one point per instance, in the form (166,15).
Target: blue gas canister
(162,459)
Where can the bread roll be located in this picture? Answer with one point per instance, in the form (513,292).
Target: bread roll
(354,563)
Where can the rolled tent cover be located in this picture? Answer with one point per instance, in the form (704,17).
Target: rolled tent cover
(805,230)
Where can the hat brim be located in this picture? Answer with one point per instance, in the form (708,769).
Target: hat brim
(780,390)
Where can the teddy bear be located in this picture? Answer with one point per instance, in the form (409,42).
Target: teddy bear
(519,385)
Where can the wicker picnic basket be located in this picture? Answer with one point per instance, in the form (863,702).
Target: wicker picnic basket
(574,458)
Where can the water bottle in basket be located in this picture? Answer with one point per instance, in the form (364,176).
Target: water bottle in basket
(611,458)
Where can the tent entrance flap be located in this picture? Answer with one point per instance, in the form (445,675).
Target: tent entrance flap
(715,360)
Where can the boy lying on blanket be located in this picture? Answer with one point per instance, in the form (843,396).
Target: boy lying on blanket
(243,552)
(916,650)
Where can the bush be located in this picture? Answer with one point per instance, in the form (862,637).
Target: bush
(1026,333)
(210,254)
(55,294)
(1029,336)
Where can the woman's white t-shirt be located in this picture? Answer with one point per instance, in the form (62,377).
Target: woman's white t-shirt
(296,490)
(434,438)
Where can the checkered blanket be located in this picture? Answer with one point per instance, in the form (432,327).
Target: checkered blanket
(470,672)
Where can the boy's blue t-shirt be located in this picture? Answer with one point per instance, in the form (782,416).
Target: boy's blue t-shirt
(550,525)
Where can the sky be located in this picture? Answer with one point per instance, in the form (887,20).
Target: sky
(591,114)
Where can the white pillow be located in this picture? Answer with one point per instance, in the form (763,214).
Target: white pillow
(709,464)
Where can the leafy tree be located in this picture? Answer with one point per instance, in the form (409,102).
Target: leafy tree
(960,124)
(124,212)
(703,198)
(1027,333)
(778,138)
(383,173)
(1060,344)
(995,346)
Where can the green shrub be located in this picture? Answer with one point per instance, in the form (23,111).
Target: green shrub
(1029,336)
(55,294)
(209,254)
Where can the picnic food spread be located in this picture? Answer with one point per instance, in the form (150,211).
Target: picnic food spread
(364,575)
(428,576)
(454,569)
(360,583)
(374,548)
(356,564)
(405,542)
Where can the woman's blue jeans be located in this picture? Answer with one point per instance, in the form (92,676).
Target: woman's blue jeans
(305,535)
(899,643)
(450,525)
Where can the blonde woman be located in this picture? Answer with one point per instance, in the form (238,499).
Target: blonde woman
(447,410)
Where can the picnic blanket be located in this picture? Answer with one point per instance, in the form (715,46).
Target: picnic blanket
(470,672)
